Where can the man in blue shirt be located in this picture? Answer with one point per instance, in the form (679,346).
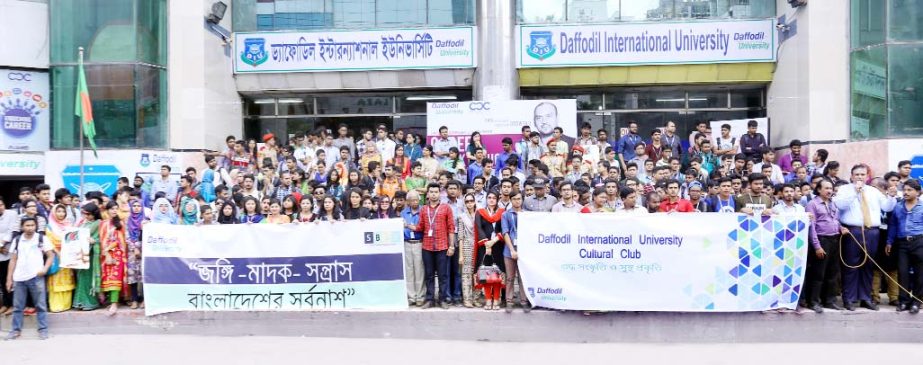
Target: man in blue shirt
(503,156)
(475,168)
(509,225)
(413,249)
(626,145)
(906,231)
(165,184)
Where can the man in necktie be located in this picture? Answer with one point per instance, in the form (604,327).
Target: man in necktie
(860,208)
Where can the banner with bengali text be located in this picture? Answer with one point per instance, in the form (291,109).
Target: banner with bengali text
(264,267)
(695,262)
(391,49)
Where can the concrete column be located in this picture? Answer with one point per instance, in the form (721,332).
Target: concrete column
(496,77)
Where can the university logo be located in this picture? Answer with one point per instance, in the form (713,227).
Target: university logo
(145,160)
(531,292)
(383,238)
(72,236)
(254,52)
(96,178)
(540,46)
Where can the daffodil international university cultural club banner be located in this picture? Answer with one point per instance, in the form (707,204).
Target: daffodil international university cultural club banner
(697,262)
(265,267)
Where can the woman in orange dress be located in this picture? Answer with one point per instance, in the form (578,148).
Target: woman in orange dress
(112,257)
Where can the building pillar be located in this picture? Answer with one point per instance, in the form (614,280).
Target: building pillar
(496,77)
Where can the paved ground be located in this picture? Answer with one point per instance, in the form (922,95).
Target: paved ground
(178,349)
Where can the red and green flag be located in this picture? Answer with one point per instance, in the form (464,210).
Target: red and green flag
(83,108)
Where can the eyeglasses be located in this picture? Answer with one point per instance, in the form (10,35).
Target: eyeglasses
(469,201)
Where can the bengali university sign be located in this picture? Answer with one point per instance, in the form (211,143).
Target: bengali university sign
(263,267)
(701,262)
(626,44)
(423,48)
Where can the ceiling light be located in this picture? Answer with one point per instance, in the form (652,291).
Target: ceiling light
(431,97)
(264,101)
(291,101)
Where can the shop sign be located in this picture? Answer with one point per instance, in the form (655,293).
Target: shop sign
(102,173)
(391,49)
(627,44)
(24,110)
(22,164)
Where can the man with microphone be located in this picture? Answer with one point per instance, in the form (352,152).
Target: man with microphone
(860,209)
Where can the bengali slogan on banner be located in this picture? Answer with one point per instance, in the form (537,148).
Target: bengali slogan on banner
(450,47)
(697,262)
(325,266)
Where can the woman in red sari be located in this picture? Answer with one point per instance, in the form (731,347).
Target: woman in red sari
(486,237)
(112,259)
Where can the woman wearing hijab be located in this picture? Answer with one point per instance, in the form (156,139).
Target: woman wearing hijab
(163,212)
(112,258)
(133,235)
(88,280)
(486,238)
(61,284)
(189,211)
(207,186)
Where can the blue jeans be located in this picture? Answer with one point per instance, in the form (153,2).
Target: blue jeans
(452,290)
(34,287)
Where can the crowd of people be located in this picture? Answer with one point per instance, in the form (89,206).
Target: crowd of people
(460,208)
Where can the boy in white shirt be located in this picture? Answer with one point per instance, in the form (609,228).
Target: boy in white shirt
(30,258)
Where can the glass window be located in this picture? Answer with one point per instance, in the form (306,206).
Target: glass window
(708,99)
(295,105)
(541,11)
(592,11)
(103,27)
(641,10)
(257,15)
(129,105)
(354,105)
(152,32)
(905,85)
(747,98)
(395,13)
(906,20)
(646,99)
(868,19)
(869,93)
(590,100)
(260,106)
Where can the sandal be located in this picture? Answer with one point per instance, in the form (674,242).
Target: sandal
(509,306)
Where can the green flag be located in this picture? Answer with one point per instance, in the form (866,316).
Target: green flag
(83,108)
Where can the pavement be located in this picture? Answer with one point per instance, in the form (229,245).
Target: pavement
(184,349)
(461,324)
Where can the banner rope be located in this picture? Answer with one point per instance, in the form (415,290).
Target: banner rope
(867,257)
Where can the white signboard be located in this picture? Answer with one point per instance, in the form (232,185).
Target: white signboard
(24,110)
(626,44)
(22,164)
(355,51)
(101,174)
(75,249)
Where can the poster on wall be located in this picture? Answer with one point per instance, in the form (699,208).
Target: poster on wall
(24,110)
(500,119)
(62,168)
(739,128)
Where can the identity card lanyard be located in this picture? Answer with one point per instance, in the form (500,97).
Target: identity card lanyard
(432,220)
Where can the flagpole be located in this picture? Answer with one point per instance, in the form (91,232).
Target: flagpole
(80,192)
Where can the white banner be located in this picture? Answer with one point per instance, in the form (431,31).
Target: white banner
(75,249)
(323,266)
(498,119)
(683,262)
(355,51)
(62,168)
(22,164)
(24,110)
(626,44)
